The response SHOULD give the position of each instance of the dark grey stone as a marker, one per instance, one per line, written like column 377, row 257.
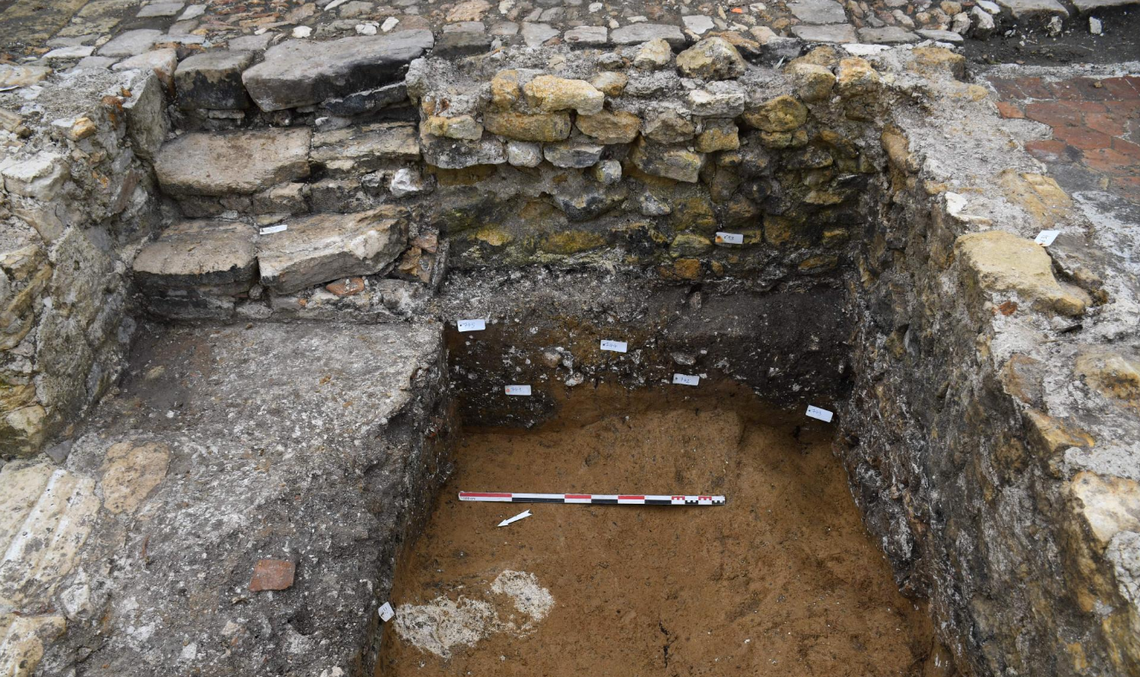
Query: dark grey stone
column 212, row 80
column 301, row 73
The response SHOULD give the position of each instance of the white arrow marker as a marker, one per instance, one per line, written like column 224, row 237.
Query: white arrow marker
column 522, row 515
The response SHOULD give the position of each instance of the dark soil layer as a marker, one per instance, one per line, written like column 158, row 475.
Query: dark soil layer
column 1119, row 42
column 783, row 580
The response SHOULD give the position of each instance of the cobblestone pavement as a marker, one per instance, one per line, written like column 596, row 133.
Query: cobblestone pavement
column 66, row 31
column 1095, row 125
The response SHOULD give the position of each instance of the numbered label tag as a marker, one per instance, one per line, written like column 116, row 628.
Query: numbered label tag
column 686, row 379
column 472, row 325
column 729, row 238
column 517, row 390
column 614, row 346
column 1046, row 237
column 822, row 414
column 386, row 612
column 269, row 230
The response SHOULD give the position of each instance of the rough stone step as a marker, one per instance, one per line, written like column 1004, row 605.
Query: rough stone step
column 325, row 247
column 216, row 164
column 219, row 256
column 302, row 73
column 303, row 443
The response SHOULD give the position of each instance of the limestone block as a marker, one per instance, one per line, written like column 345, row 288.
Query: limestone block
column 23, row 640
column 635, row 34
column 717, row 136
column 458, row 127
column 668, row 126
column 542, row 127
column 39, row 177
column 212, row 80
column 550, row 94
column 1112, row 374
column 719, row 99
column 302, row 72
column 523, row 154
column 610, row 83
column 653, row 55
column 1003, row 262
column 447, row 153
column 46, row 514
column 161, row 62
column 668, row 162
column 711, row 59
column 147, row 123
column 1109, row 505
column 856, row 77
column 216, row 255
column 813, row 82
column 610, row 126
column 781, row 114
column 356, row 150
column 325, row 247
column 505, row 89
column 573, row 154
column 233, row 163
column 130, row 473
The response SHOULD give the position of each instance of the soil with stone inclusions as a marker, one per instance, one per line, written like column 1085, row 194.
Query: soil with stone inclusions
column 1119, row 42
column 783, row 580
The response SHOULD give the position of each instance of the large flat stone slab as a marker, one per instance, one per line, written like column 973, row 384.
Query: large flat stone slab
column 818, row 11
column 1033, row 9
column 237, row 163
column 217, row 255
column 1089, row 5
column 326, row 247
column 358, row 150
column 836, row 33
column 635, row 34
column 302, row 73
column 300, row 443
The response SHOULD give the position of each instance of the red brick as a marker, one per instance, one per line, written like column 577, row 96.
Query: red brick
column 1104, row 123
column 1128, row 187
column 272, row 574
column 1108, row 161
column 1034, row 88
column 1082, row 138
column 1049, row 151
column 1052, row 113
column 1009, row 110
column 1007, row 89
column 1077, row 89
column 1120, row 88
column 1128, row 148
column 1084, row 106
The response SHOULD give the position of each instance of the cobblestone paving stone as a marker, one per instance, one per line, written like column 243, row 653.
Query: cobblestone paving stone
column 33, row 28
column 1095, row 126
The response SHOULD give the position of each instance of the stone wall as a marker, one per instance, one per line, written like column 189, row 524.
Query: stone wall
column 75, row 201
column 990, row 437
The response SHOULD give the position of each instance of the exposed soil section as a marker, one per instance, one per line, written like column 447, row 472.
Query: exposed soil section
column 1032, row 44
column 782, row 580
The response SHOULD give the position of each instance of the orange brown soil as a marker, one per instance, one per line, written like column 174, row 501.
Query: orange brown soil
column 783, row 580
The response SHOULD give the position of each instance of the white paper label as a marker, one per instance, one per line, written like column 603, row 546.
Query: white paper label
column 686, row 379
column 386, row 612
column 269, row 230
column 729, row 238
column 472, row 325
column 614, row 346
column 517, row 390
column 1046, row 237
column 822, row 414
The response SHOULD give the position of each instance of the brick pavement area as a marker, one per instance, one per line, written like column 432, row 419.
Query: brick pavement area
column 1095, row 124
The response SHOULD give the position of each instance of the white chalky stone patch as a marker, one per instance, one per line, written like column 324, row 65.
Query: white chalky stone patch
column 522, row 587
column 442, row 624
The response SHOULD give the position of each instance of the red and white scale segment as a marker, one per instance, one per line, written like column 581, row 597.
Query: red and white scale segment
column 592, row 499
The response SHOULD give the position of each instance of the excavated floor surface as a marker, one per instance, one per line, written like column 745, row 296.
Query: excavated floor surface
column 783, row 580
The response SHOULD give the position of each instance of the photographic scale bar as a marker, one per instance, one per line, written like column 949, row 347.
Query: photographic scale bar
column 590, row 499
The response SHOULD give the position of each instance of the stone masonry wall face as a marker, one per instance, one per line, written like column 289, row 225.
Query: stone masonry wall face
column 74, row 197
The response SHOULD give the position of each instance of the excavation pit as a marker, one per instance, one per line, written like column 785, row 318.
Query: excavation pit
column 783, row 580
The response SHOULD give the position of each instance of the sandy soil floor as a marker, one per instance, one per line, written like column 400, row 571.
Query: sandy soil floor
column 783, row 580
